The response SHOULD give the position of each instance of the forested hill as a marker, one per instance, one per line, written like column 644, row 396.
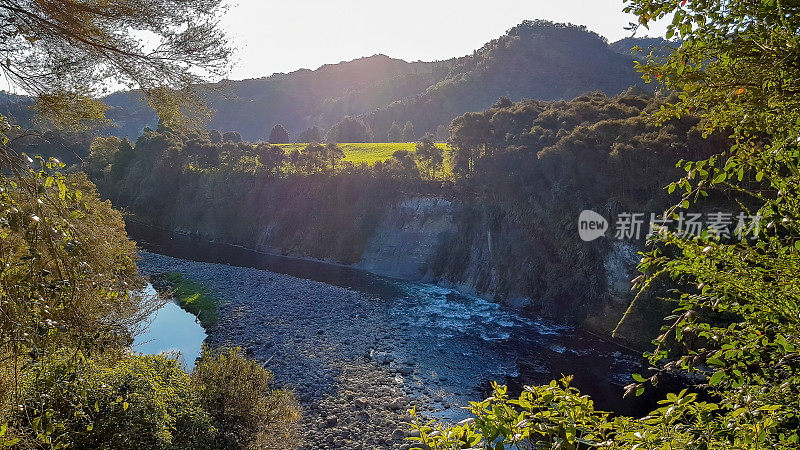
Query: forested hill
column 535, row 60
column 296, row 100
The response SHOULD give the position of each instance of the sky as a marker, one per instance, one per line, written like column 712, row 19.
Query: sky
column 283, row 36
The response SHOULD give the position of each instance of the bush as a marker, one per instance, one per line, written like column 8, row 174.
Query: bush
column 132, row 403
column 238, row 393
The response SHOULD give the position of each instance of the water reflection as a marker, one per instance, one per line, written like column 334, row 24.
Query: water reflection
column 171, row 330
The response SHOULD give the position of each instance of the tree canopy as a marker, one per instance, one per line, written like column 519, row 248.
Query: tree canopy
column 278, row 135
column 68, row 53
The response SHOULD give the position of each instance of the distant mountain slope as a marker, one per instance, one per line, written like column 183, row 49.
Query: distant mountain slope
column 535, row 60
column 296, row 100
column 658, row 46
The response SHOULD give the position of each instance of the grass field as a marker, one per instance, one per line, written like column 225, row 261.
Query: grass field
column 368, row 152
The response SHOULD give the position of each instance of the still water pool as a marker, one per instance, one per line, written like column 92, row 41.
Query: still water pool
column 171, row 330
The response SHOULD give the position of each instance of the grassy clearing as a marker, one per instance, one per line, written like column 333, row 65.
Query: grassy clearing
column 192, row 297
column 368, row 152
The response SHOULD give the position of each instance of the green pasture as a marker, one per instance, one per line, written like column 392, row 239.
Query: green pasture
column 367, row 152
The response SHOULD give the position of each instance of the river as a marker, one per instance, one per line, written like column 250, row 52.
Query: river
column 328, row 330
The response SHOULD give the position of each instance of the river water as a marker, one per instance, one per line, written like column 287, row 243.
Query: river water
column 171, row 330
column 455, row 341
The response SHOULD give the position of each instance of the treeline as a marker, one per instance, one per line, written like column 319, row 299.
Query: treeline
column 531, row 167
column 520, row 171
column 305, row 202
column 226, row 153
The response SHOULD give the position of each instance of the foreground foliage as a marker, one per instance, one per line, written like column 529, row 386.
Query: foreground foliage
column 239, row 394
column 70, row 306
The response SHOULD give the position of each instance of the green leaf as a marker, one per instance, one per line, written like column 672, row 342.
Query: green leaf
column 716, row 378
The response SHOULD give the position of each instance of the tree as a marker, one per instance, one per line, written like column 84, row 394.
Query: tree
column 409, row 135
column 278, row 135
column 737, row 66
column 394, row 134
column 469, row 135
column 122, row 159
column 68, row 53
column 312, row 134
column 442, row 133
column 429, row 155
column 232, row 136
column 333, row 154
column 215, row 136
column 350, row 129
column 101, row 154
column 295, row 160
column 271, row 157
column 312, row 158
column 402, row 164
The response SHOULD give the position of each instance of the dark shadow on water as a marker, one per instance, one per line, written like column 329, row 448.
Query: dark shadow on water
column 196, row 249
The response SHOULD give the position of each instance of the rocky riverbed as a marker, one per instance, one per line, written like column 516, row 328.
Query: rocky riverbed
column 359, row 359
column 329, row 344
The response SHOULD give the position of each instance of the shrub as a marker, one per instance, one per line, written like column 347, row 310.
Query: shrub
column 238, row 393
column 131, row 403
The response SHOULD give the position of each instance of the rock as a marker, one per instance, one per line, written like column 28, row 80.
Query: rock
column 361, row 402
column 381, row 357
column 398, row 435
column 397, row 404
column 330, row 421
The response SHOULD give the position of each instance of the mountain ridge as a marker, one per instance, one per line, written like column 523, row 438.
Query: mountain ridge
column 537, row 60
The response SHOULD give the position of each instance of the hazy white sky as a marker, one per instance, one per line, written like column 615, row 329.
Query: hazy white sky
column 282, row 36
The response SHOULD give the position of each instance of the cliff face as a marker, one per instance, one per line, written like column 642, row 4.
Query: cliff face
column 467, row 247
column 414, row 234
column 408, row 238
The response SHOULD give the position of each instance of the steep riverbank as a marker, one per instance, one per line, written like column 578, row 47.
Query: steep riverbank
column 360, row 354
column 436, row 240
